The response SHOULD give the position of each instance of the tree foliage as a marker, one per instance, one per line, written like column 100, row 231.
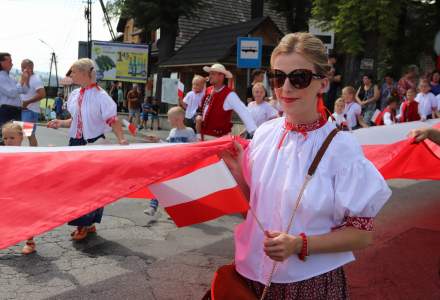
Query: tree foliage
column 295, row 12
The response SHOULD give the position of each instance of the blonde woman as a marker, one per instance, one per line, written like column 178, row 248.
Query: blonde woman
column 93, row 114
column 334, row 215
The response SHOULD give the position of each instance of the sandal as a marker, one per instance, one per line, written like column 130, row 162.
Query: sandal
column 29, row 248
column 81, row 232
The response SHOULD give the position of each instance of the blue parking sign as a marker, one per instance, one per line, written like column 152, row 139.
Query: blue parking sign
column 249, row 52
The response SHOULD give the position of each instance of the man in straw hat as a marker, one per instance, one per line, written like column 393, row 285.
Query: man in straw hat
column 214, row 119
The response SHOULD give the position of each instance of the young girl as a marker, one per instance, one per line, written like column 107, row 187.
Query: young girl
column 352, row 109
column 338, row 117
column 388, row 115
column 260, row 110
column 13, row 136
column 93, row 114
column 334, row 215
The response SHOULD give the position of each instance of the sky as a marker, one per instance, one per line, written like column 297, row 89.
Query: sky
column 59, row 23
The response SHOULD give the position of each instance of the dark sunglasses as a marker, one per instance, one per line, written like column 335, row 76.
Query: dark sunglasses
column 299, row 78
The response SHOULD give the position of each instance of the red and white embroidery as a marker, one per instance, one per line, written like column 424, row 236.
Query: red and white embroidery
column 362, row 223
column 301, row 128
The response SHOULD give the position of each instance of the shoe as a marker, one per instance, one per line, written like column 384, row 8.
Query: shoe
column 151, row 128
column 29, row 248
column 82, row 231
column 158, row 128
column 140, row 127
column 151, row 211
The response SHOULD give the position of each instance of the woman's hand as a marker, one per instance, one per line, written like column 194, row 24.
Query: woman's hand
column 279, row 246
column 234, row 160
column 123, row 141
column 419, row 134
column 55, row 124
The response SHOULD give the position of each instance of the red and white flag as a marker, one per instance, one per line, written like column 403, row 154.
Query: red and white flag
column 27, row 127
column 130, row 126
column 180, row 89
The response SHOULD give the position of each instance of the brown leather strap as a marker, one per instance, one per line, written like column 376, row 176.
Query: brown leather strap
column 321, row 152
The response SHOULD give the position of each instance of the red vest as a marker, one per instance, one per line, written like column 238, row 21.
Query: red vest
column 382, row 114
column 410, row 112
column 216, row 121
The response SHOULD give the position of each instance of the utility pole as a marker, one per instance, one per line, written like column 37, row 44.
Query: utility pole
column 88, row 16
column 107, row 20
column 53, row 62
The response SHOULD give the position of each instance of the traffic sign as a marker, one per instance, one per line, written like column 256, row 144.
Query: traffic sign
column 249, row 52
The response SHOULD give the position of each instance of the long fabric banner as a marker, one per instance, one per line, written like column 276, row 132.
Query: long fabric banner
column 42, row 188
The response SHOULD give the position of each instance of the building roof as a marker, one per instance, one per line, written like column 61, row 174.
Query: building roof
column 216, row 44
column 219, row 13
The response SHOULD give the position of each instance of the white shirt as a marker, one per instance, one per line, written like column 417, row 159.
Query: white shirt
column 193, row 100
column 352, row 110
column 261, row 112
column 35, row 84
column 427, row 102
column 339, row 119
column 387, row 119
column 345, row 184
column 233, row 102
column 10, row 90
column 96, row 109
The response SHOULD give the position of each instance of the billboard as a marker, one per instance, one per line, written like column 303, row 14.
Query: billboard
column 120, row 61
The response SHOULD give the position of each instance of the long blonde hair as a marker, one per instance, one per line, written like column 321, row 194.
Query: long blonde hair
column 307, row 45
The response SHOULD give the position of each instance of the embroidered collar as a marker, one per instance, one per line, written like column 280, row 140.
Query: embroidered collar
column 301, row 128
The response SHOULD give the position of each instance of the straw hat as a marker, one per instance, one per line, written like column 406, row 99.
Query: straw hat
column 218, row 68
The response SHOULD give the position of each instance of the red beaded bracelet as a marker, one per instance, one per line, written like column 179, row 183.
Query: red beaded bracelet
column 304, row 250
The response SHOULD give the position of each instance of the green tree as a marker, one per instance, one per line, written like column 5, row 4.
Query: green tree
column 295, row 12
column 152, row 14
column 385, row 30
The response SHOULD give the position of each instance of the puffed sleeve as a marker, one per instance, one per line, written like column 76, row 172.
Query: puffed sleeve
column 360, row 193
column 108, row 108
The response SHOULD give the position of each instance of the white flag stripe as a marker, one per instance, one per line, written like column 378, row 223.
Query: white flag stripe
column 209, row 179
column 376, row 135
column 11, row 149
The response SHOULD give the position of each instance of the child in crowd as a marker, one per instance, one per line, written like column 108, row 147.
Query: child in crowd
column 193, row 99
column 260, row 110
column 409, row 110
column 338, row 117
column 179, row 133
column 147, row 108
column 438, row 106
column 13, row 136
column 388, row 115
column 427, row 101
column 154, row 114
column 352, row 110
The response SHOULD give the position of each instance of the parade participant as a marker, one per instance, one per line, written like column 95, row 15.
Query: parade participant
column 179, row 133
column 335, row 214
column 10, row 90
column 257, row 77
column 214, row 119
column 388, row 115
column 30, row 101
column 93, row 114
column 408, row 80
column 352, row 109
column 427, row 101
column 338, row 117
column 409, row 110
column 13, row 136
column 260, row 110
column 154, row 114
column 192, row 100
column 420, row 134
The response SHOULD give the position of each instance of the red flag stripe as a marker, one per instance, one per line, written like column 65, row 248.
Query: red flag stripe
column 210, row 207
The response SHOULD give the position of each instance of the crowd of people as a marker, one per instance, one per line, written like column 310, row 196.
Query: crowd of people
column 313, row 233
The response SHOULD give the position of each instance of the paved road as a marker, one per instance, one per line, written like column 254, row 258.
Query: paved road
column 134, row 258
